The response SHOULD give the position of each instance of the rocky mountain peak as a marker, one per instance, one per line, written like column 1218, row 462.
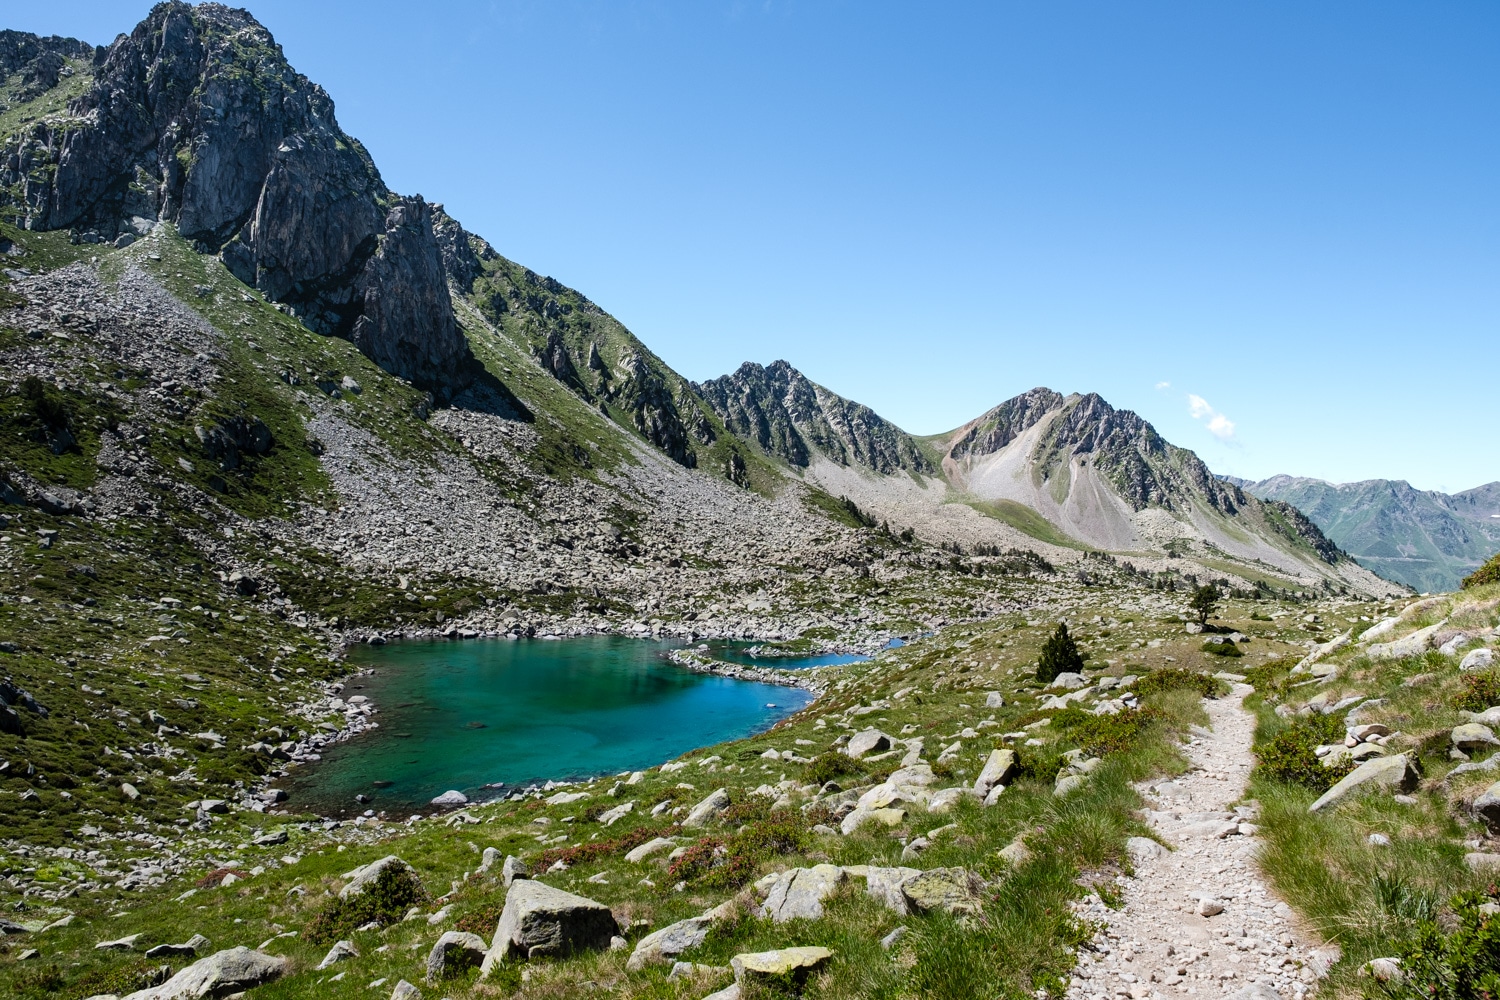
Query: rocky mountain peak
column 795, row 419
column 196, row 119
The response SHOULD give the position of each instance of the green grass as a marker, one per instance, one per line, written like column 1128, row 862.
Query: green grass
column 1026, row 520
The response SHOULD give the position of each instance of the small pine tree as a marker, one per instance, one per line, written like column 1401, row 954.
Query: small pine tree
column 1204, row 602
column 1060, row 655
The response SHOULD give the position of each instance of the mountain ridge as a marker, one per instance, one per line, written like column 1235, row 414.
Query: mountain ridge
column 1425, row 539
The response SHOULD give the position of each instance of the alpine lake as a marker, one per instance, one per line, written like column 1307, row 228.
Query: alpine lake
column 489, row 716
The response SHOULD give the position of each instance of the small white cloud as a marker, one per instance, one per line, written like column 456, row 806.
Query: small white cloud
column 1164, row 385
column 1218, row 425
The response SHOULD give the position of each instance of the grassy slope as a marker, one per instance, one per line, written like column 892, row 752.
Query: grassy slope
column 1021, row 943
column 1368, row 898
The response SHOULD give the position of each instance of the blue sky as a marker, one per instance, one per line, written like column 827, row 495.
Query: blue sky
column 1272, row 229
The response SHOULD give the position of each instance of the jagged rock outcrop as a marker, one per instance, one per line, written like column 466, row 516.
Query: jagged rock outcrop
column 197, row 119
column 41, row 62
column 793, row 418
column 1003, row 424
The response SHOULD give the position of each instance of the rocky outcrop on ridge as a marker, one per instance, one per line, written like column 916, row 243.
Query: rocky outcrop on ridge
column 792, row 418
column 196, row 119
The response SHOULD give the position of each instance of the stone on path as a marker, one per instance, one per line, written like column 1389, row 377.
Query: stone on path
column 233, row 970
column 454, row 951
column 539, row 920
column 1144, row 849
column 1395, row 773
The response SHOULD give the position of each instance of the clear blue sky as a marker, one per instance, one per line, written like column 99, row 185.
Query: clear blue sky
column 1290, row 211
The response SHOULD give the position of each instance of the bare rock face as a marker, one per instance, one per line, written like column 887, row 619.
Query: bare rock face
column 196, row 119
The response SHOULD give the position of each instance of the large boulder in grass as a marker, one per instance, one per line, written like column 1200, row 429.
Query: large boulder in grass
column 952, row 890
column 708, row 810
column 1396, row 774
column 671, row 941
column 1487, row 807
column 799, row 893
column 233, row 970
column 539, row 920
column 789, row 966
column 868, row 741
column 998, row 770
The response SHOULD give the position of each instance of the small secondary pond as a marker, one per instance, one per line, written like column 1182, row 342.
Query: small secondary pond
column 471, row 713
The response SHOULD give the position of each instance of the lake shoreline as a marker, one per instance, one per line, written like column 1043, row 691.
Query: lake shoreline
column 307, row 752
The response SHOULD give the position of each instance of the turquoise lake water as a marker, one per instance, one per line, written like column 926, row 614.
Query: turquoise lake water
column 470, row 713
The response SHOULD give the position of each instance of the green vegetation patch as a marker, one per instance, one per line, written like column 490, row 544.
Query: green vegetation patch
column 1027, row 521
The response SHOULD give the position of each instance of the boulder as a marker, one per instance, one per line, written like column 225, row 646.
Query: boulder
column 610, row 816
column 997, row 770
column 952, row 890
column 405, row 991
column 887, row 816
column 799, row 893
column 1473, row 736
column 993, row 699
column 791, row 966
column 1478, row 659
column 868, row 741
column 191, row 946
column 1480, row 861
column 1068, row 783
column 1068, row 680
column 1144, row 849
column 489, row 858
column 1487, row 807
column 1395, row 773
column 1016, row 853
column 708, row 810
column 885, row 884
column 512, row 869
column 651, row 847
column 452, row 797
column 945, row 799
column 341, row 951
column 669, row 942
column 540, row 920
column 1412, row 645
column 233, row 970
column 365, row 877
column 453, row 952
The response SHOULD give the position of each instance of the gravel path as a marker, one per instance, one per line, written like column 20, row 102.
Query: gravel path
column 1199, row 920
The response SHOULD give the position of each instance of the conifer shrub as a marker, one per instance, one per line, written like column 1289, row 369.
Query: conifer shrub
column 1059, row 655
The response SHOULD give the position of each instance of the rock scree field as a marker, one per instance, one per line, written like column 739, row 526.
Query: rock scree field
column 267, row 424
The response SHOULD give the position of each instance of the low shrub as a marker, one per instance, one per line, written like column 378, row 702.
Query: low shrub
column 1222, row 649
column 1488, row 573
column 1176, row 677
column 1098, row 735
column 728, row 863
column 385, row 901
column 1290, row 756
column 828, row 766
column 1480, row 691
column 1463, row 964
column 596, row 849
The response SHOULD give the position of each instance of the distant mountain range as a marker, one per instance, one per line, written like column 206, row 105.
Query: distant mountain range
column 1425, row 539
